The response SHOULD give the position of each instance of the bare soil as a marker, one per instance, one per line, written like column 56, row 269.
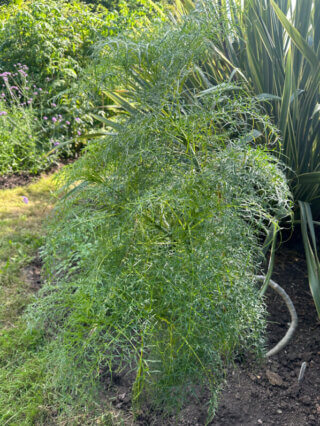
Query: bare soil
column 24, row 178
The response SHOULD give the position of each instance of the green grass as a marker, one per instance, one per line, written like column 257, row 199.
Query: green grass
column 25, row 396
column 21, row 235
column 21, row 366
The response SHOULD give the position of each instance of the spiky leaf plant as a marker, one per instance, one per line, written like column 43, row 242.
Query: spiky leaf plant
column 273, row 47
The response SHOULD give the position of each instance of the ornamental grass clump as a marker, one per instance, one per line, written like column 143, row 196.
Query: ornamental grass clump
column 152, row 252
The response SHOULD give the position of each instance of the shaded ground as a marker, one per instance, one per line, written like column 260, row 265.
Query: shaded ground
column 24, row 178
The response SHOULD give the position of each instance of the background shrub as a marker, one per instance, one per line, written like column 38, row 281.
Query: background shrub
column 53, row 41
column 20, row 147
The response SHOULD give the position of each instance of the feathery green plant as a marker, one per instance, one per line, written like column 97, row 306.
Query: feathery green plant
column 152, row 254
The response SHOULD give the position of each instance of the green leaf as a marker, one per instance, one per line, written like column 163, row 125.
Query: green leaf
column 309, row 178
column 107, row 122
column 268, row 97
column 296, row 37
column 313, row 264
column 316, row 110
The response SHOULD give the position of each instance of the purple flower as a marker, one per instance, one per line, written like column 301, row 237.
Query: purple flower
column 25, row 200
column 77, row 120
column 79, row 133
column 45, row 118
column 56, row 144
column 68, row 123
column 54, row 119
column 3, row 113
column 53, row 105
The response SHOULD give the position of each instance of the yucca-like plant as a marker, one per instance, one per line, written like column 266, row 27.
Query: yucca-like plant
column 273, row 46
column 278, row 49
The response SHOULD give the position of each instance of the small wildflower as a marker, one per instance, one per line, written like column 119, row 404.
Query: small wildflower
column 56, row 144
column 25, row 200
column 54, row 119
column 78, row 120
column 68, row 123
column 3, row 113
column 45, row 118
column 79, row 133
column 53, row 105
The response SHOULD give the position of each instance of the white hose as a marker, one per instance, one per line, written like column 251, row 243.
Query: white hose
column 294, row 318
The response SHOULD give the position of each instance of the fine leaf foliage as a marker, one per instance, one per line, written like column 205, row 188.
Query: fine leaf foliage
column 152, row 252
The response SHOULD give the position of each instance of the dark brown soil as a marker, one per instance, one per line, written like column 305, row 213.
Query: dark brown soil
column 33, row 274
column 24, row 178
column 268, row 394
column 16, row 179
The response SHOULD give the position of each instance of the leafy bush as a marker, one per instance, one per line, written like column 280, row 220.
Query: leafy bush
column 53, row 40
column 20, row 149
column 151, row 257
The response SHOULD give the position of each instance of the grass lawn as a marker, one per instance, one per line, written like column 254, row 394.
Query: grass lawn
column 25, row 395
column 21, row 235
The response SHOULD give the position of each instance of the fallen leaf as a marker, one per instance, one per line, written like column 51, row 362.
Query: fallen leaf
column 274, row 378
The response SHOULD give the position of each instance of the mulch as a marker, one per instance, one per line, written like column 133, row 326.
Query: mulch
column 24, row 178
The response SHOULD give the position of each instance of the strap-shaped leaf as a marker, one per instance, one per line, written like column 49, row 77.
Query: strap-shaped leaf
column 107, row 122
column 309, row 178
column 313, row 264
column 296, row 37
